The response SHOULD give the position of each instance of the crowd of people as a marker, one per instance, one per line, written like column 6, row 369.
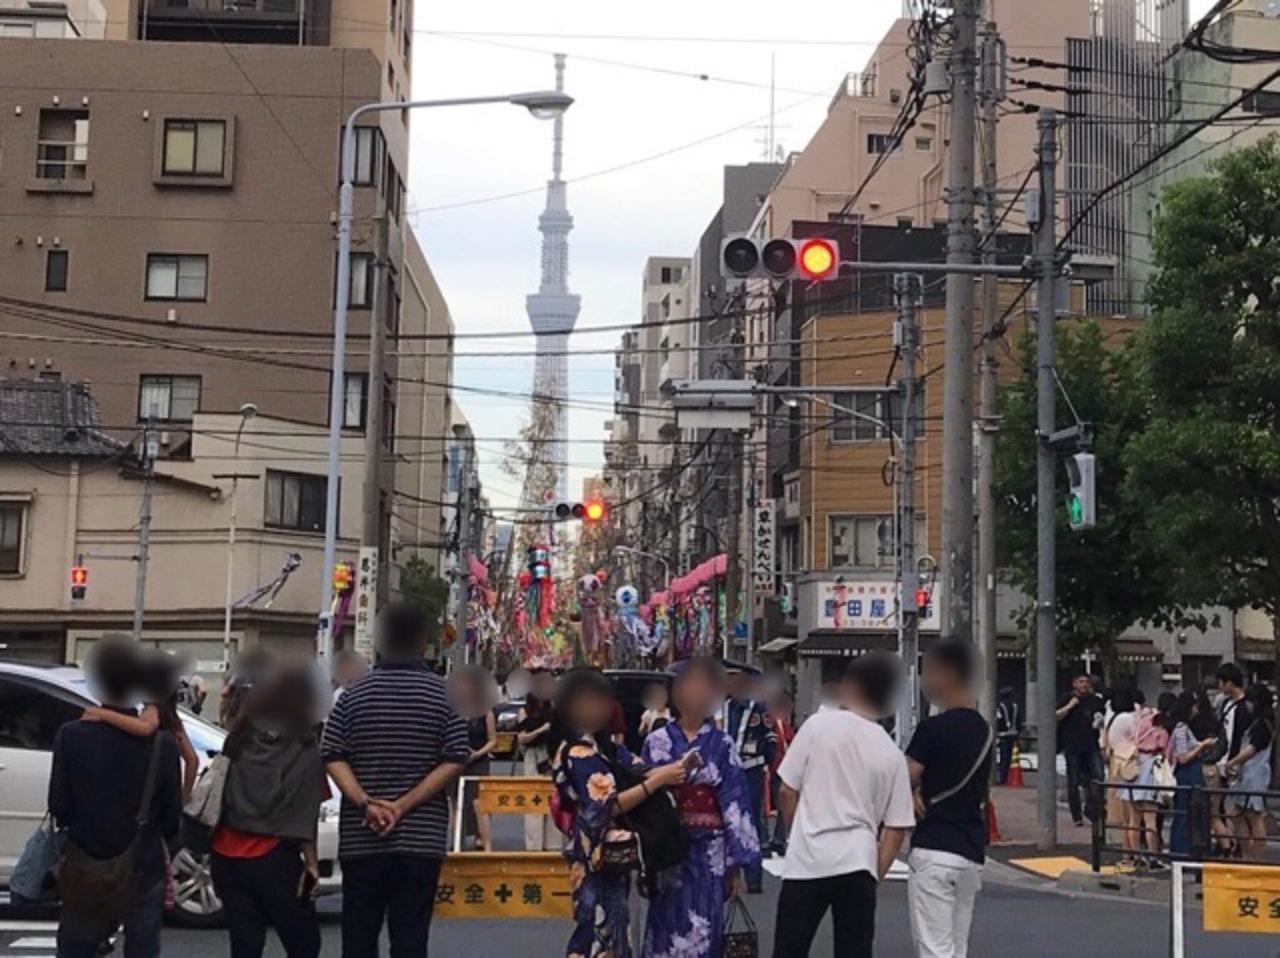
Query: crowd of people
column 1152, row 759
column 721, row 779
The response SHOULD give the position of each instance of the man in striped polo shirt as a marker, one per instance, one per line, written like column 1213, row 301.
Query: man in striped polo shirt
column 394, row 745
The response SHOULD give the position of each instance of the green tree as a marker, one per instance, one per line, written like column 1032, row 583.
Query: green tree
column 1207, row 456
column 420, row 585
column 1106, row 576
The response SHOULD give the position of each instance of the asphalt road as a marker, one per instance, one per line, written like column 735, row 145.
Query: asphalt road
column 1016, row 917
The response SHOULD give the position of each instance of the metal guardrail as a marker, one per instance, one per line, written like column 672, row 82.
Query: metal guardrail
column 62, row 160
column 1212, row 817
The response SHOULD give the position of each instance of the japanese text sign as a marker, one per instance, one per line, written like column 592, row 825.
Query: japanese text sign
column 764, row 547
column 1242, row 898
column 504, row 885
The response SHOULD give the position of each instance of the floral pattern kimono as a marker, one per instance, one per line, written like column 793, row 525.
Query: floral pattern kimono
column 686, row 916
column 586, row 783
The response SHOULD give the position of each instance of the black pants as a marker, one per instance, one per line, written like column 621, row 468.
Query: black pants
column 803, row 903
column 398, row 888
column 1083, row 767
column 261, row 894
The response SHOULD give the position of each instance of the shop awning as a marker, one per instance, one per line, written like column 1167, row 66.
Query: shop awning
column 1138, row 650
column 837, row 642
column 777, row 646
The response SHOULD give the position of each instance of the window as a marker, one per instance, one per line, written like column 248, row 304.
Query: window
column 55, row 270
column 171, row 276
column 12, row 518
column 369, row 153
column 31, row 717
column 388, row 416
column 905, row 222
column 872, row 407
column 62, row 151
column 924, row 143
column 362, row 281
column 168, row 398
column 194, row 147
column 1264, row 103
column 355, row 400
column 392, row 190
column 866, row 542
column 295, row 500
column 879, row 143
column 672, row 274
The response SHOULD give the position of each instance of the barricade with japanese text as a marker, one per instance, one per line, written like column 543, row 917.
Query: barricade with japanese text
column 503, row 884
column 1237, row 898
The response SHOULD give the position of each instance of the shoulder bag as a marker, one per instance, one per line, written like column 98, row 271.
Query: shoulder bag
column 97, row 893
column 1122, row 764
column 33, row 878
column 740, row 938
column 957, row 788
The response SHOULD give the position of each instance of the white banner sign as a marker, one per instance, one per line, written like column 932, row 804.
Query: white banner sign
column 859, row 605
column 366, row 599
column 764, row 553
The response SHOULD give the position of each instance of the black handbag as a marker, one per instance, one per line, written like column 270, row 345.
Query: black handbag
column 740, row 938
column 97, row 893
column 661, row 841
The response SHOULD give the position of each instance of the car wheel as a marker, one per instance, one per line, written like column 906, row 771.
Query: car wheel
column 195, row 901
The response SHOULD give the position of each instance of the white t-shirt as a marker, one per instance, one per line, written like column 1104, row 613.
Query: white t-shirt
column 852, row 779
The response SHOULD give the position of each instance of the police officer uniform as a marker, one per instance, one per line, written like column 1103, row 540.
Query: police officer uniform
column 755, row 742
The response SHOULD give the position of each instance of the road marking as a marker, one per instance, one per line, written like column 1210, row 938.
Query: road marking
column 1052, row 866
column 34, row 943
column 28, row 926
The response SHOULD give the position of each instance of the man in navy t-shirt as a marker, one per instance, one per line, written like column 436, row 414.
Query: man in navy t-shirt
column 949, row 759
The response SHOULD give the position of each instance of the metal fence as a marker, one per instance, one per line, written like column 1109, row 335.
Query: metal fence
column 1181, row 823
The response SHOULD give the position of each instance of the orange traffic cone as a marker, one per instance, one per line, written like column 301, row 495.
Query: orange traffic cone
column 993, row 827
column 1014, row 779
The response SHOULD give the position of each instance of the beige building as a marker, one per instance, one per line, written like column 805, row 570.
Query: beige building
column 168, row 185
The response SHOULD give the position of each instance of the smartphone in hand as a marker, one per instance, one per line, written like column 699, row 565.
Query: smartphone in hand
column 693, row 758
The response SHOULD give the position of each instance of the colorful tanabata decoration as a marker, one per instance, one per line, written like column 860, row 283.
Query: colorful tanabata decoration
column 633, row 632
column 538, row 589
column 589, row 587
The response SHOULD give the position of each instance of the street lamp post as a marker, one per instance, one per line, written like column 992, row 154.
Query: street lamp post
column 543, row 105
column 247, row 412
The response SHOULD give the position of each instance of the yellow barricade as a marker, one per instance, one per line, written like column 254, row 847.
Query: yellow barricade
column 512, row 795
column 1242, row 898
column 504, row 885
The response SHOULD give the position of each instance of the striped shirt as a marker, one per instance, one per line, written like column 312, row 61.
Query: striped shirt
column 393, row 726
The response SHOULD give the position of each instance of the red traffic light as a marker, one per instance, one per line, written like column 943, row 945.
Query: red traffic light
column 79, row 575
column 595, row 511
column 819, row 259
column 922, row 598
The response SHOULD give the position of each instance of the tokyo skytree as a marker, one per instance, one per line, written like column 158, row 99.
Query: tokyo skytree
column 553, row 311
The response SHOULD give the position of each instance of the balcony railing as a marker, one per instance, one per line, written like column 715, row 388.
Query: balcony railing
column 267, row 8
column 62, row 160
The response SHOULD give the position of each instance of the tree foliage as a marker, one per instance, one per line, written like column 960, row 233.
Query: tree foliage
column 420, row 585
column 1206, row 458
column 1107, row 577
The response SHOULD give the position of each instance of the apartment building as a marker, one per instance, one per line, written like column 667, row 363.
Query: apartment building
column 168, row 185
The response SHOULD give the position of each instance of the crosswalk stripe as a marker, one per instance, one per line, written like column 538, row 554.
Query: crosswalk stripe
column 34, row 943
column 11, row 925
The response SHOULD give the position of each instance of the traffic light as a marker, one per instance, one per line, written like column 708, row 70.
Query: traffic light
column 812, row 259
column 591, row 511
column 1082, row 499
column 79, row 582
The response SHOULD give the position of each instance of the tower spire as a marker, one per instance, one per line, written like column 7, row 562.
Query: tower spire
column 553, row 312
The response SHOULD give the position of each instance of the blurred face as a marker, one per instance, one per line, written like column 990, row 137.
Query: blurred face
column 655, row 697
column 591, row 712
column 544, row 686
column 1082, row 686
column 696, row 695
column 938, row 680
column 780, row 706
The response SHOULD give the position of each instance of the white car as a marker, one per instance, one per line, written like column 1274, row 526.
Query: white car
column 34, row 703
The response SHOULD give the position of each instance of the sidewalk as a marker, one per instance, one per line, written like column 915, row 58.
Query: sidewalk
column 1018, row 821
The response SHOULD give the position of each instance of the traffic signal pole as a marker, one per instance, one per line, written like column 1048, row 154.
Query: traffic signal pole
column 988, row 407
column 957, row 416
column 374, row 427
column 1046, row 500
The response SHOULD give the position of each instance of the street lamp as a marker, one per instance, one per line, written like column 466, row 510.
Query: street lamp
column 247, row 412
column 542, row 104
column 666, row 566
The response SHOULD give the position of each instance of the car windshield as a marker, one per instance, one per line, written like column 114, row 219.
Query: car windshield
column 205, row 738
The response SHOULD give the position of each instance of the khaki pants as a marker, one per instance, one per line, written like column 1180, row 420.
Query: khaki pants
column 941, row 892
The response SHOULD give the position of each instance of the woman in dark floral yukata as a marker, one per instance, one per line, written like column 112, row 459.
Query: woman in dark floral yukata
column 583, row 770
column 686, row 915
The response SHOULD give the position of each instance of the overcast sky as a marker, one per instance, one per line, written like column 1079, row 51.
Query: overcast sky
column 644, row 110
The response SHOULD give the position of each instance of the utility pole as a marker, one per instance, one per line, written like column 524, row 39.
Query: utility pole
column 1046, row 500
column 371, row 499
column 988, row 411
column 907, row 289
column 957, row 419
column 733, row 572
column 751, row 556
column 149, row 450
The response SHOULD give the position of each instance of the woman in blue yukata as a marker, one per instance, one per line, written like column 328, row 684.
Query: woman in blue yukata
column 686, row 915
column 583, row 770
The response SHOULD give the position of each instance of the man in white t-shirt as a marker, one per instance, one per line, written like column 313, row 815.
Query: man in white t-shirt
column 846, row 800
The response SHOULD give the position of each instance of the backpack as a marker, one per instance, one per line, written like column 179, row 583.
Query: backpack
column 1122, row 765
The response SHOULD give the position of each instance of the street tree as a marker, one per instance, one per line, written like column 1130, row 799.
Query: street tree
column 1206, row 458
column 1106, row 578
column 420, row 585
